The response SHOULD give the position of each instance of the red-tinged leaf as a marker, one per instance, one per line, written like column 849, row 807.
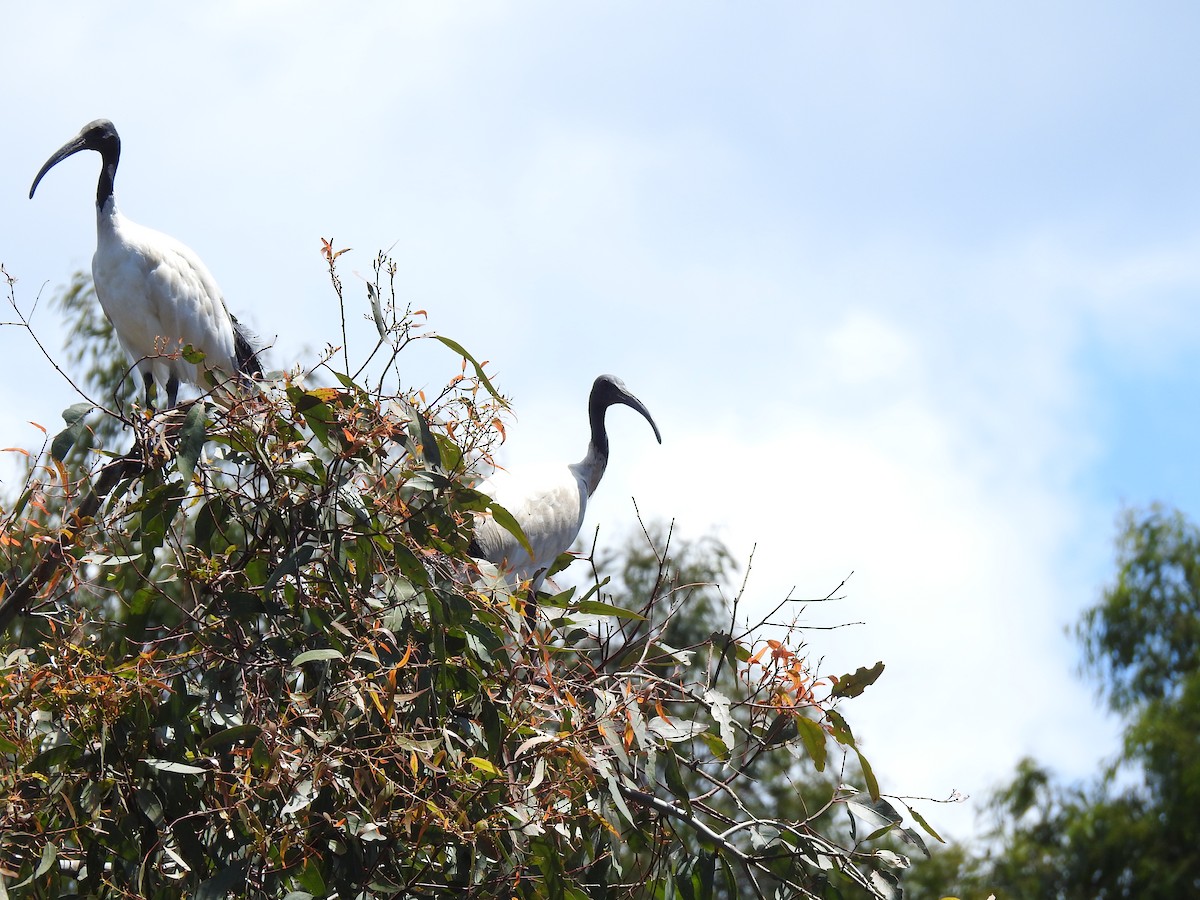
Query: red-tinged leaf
column 404, row 659
column 62, row 470
column 39, row 427
column 17, row 450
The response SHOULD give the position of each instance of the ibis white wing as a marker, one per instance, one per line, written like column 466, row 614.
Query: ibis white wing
column 160, row 297
column 549, row 505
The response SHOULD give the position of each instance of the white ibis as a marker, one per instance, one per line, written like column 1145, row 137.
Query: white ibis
column 549, row 505
column 156, row 292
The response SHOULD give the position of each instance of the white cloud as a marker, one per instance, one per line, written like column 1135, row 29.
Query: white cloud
column 864, row 268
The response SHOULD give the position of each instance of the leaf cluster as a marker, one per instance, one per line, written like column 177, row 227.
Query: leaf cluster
column 261, row 661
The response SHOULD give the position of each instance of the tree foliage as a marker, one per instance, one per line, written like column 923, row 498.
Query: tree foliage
column 1133, row 831
column 251, row 655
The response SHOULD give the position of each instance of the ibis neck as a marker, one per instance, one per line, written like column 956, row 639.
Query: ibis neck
column 593, row 465
column 108, row 175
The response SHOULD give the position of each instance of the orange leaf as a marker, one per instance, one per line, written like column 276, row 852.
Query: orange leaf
column 378, row 703
column 404, row 659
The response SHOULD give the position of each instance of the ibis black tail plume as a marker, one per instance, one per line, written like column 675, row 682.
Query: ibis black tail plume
column 244, row 353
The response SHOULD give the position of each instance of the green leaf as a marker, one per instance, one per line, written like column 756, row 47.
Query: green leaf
column 506, row 521
column 868, row 775
column 161, row 505
column 909, row 836
column 742, row 651
column 75, row 412
column 53, row 758
column 240, row 604
column 377, row 311
column 192, row 355
column 561, row 562
column 839, row 728
column 707, row 870
column 191, row 441
column 484, row 765
column 813, row 736
column 310, row 878
column 859, row 681
column 69, row 436
column 675, row 779
column 430, row 451
column 719, row 707
column 457, row 348
column 596, row 608
column 228, row 881
column 230, row 736
column 316, row 655
column 149, row 804
column 49, row 854
column 208, row 521
column 410, row 566
column 716, row 746
column 920, row 820
column 731, row 880
column 291, row 565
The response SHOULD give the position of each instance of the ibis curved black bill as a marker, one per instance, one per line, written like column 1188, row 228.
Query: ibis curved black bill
column 100, row 136
column 609, row 390
column 634, row 403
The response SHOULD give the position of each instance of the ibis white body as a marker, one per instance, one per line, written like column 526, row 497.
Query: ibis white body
column 160, row 297
column 156, row 292
column 550, row 503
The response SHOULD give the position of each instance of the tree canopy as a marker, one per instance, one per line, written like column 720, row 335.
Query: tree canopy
column 1134, row 830
column 251, row 654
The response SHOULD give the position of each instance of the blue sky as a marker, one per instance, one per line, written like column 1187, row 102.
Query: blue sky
column 911, row 289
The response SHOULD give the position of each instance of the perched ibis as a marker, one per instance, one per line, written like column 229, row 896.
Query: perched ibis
column 156, row 292
column 549, row 505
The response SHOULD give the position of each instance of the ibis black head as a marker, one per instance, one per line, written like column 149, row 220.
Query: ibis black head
column 100, row 136
column 608, row 390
